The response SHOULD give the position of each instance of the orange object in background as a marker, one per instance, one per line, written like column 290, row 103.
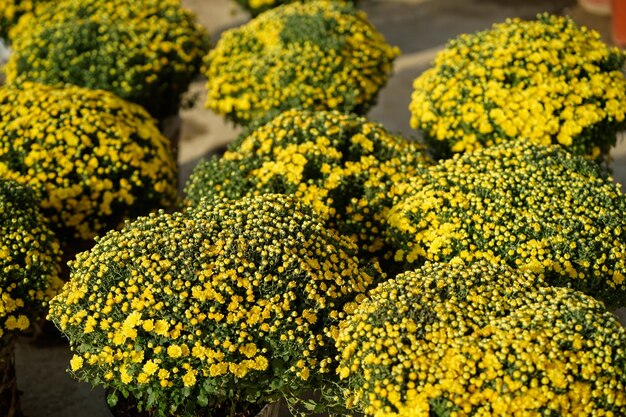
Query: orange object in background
column 618, row 22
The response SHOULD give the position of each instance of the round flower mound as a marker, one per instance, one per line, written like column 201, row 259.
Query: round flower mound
column 146, row 52
column 318, row 55
column 256, row 7
column 29, row 259
column 228, row 302
column 481, row 340
column 343, row 165
column 93, row 158
column 12, row 10
column 535, row 208
column 544, row 81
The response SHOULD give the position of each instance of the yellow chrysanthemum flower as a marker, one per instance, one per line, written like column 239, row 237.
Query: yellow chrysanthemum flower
column 542, row 81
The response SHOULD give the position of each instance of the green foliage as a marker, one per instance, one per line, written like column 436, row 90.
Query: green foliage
column 344, row 166
column 92, row 158
column 534, row 208
column 546, row 81
column 477, row 338
column 255, row 7
column 145, row 51
column 316, row 55
column 29, row 258
column 12, row 10
column 225, row 304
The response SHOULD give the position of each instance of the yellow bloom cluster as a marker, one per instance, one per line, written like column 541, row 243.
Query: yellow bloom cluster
column 544, row 81
column 93, row 158
column 318, row 55
column 258, row 6
column 12, row 10
column 225, row 302
column 344, row 166
column 146, row 52
column 540, row 209
column 29, row 258
column 478, row 339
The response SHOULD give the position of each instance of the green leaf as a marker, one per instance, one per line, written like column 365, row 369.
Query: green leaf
column 203, row 400
column 152, row 399
column 112, row 399
column 309, row 405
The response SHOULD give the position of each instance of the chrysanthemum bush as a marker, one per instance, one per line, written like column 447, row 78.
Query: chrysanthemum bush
column 535, row 208
column 258, row 6
column 29, row 258
column 29, row 277
column 542, row 81
column 12, row 10
column 457, row 339
column 344, row 166
column 146, row 52
column 93, row 158
column 318, row 55
column 225, row 304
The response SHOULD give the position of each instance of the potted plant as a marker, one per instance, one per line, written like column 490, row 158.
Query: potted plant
column 344, row 166
column 469, row 339
column 29, row 261
column 146, row 52
column 542, row 81
column 255, row 7
column 535, row 208
column 92, row 158
column 317, row 55
column 215, row 310
column 11, row 11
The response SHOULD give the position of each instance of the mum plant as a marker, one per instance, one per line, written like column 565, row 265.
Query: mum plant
column 29, row 277
column 12, row 10
column 222, row 306
column 344, row 166
column 146, row 52
column 93, row 158
column 477, row 339
column 546, row 81
column 256, row 7
column 536, row 208
column 317, row 55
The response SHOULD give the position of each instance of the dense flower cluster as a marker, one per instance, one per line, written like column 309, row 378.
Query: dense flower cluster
column 344, row 166
column 544, row 81
column 258, row 6
column 146, row 52
column 227, row 302
column 478, row 339
column 540, row 209
column 92, row 157
column 318, row 55
column 29, row 258
column 12, row 10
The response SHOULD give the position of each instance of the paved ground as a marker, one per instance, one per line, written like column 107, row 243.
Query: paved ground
column 419, row 27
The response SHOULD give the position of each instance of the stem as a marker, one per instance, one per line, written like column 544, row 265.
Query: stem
column 9, row 396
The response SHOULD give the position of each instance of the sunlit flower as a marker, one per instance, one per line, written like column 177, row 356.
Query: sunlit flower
column 344, row 166
column 240, row 297
column 476, row 339
column 543, row 81
column 29, row 259
column 12, row 10
column 91, row 171
column 258, row 6
column 534, row 208
column 146, row 52
column 317, row 55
